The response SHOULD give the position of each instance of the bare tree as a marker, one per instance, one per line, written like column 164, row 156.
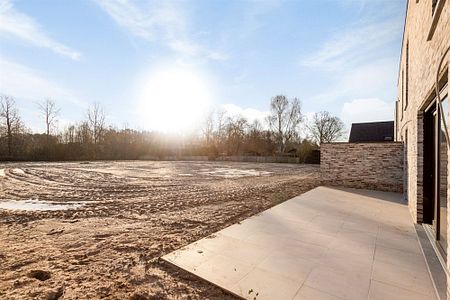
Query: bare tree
column 83, row 135
column 68, row 135
column 284, row 119
column 11, row 121
column 96, row 122
column 49, row 113
column 256, row 127
column 235, row 131
column 326, row 128
column 220, row 123
column 208, row 128
column 255, row 138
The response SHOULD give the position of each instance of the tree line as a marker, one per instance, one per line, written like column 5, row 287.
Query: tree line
column 285, row 132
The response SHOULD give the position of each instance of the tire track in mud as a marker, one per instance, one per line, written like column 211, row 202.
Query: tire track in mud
column 136, row 212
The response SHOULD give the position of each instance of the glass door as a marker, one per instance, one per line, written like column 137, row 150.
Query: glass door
column 441, row 184
column 435, row 174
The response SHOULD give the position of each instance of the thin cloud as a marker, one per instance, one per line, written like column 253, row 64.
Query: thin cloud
column 354, row 46
column 366, row 110
column 359, row 62
column 364, row 81
column 158, row 21
column 251, row 114
column 19, row 25
column 25, row 83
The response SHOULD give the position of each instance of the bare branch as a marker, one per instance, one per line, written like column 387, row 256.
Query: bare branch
column 49, row 113
column 326, row 128
column 11, row 121
column 96, row 122
column 284, row 120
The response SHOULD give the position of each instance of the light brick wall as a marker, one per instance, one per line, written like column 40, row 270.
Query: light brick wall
column 424, row 57
column 377, row 166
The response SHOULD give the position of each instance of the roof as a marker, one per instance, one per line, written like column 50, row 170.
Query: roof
column 372, row 132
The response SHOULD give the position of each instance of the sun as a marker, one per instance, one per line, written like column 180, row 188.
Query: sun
column 173, row 100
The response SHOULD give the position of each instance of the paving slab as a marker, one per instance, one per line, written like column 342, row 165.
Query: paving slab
column 329, row 243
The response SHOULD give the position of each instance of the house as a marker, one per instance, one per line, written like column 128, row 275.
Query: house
column 420, row 121
column 372, row 247
column 372, row 132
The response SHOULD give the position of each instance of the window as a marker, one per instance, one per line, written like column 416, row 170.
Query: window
column 433, row 6
column 405, row 165
column 403, row 92
column 396, row 119
column 436, row 9
column 407, row 76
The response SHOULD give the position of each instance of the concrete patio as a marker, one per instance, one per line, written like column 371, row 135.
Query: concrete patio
column 325, row 244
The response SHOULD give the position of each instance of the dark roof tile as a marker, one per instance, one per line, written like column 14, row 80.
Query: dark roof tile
column 372, row 132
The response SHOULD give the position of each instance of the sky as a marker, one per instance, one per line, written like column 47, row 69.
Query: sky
column 161, row 65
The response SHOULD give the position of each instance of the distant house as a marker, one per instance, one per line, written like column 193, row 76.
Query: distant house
column 372, row 132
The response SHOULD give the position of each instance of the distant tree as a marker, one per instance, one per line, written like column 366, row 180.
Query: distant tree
column 220, row 120
column 221, row 134
column 284, row 119
column 49, row 113
column 96, row 122
column 208, row 128
column 326, row 128
column 305, row 149
column 255, row 142
column 235, row 131
column 69, row 135
column 83, row 134
column 256, row 128
column 11, row 122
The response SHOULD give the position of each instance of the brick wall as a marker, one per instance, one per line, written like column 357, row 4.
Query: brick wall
column 377, row 166
column 423, row 57
column 417, row 89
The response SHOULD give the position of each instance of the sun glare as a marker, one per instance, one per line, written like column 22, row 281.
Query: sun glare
column 173, row 100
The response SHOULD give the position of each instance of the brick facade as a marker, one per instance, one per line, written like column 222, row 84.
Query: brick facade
column 376, row 166
column 426, row 37
column 415, row 91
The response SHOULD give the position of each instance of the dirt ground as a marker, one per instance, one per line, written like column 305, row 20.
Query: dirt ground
column 111, row 222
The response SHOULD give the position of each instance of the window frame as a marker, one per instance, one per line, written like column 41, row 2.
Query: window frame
column 406, row 77
column 436, row 10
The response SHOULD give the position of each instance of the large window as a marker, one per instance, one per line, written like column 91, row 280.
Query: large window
column 435, row 175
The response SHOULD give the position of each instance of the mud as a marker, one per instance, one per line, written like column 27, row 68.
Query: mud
column 132, row 213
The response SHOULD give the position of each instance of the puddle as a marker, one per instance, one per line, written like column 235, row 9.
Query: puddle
column 36, row 205
column 2, row 173
column 235, row 173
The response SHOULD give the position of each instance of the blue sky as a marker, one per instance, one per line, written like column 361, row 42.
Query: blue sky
column 335, row 55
